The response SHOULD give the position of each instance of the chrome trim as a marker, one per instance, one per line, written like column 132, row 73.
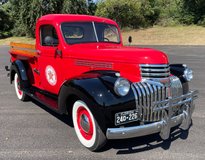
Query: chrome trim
column 138, row 131
column 96, row 36
column 147, row 93
column 154, row 74
column 154, row 65
column 154, row 71
column 150, row 91
column 163, row 126
column 176, row 86
column 84, row 122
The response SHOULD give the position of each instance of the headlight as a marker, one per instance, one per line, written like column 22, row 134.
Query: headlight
column 122, row 87
column 188, row 74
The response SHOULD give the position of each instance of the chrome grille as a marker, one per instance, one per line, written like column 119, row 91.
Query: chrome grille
column 155, row 71
column 146, row 94
column 176, row 87
column 149, row 92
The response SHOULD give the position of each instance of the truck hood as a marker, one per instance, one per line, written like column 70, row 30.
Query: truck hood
column 116, row 53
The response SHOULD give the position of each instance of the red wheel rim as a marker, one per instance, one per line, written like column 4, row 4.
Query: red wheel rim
column 82, row 112
column 18, row 86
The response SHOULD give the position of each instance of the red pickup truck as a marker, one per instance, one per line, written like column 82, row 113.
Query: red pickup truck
column 80, row 67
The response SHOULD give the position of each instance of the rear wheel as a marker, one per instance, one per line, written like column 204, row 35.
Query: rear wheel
column 86, row 127
column 19, row 93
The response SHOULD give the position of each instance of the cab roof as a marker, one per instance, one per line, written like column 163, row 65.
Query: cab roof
column 60, row 18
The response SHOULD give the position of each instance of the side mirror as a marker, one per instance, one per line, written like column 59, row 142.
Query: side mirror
column 130, row 39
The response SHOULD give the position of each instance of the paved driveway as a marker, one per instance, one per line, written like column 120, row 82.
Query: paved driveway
column 30, row 131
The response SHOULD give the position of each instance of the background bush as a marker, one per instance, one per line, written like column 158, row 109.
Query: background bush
column 18, row 17
column 126, row 13
column 131, row 13
column 5, row 23
column 25, row 13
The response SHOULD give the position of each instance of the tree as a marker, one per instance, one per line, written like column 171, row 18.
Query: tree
column 194, row 9
column 5, row 23
column 169, row 12
column 75, row 7
column 26, row 12
column 130, row 13
column 92, row 7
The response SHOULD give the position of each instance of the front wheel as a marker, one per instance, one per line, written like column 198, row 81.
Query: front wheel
column 19, row 93
column 86, row 127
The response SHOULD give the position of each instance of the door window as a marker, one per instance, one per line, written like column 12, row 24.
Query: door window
column 49, row 36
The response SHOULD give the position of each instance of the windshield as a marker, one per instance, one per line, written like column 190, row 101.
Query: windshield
column 87, row 32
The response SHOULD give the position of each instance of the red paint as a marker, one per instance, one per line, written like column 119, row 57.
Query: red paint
column 80, row 58
column 18, row 85
column 80, row 112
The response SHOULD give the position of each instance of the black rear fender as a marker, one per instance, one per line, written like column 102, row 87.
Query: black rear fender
column 19, row 68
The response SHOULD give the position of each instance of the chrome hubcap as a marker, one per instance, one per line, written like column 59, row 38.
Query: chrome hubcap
column 84, row 122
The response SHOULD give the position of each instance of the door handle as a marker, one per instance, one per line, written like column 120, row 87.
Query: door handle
column 36, row 71
column 58, row 53
column 38, row 52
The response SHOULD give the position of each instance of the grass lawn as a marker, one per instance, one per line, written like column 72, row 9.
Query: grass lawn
column 177, row 35
column 7, row 41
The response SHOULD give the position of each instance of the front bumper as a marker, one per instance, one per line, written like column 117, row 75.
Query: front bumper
column 163, row 127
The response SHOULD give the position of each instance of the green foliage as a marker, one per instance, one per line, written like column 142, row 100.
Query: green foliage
column 142, row 13
column 92, row 8
column 150, row 10
column 126, row 13
column 21, row 15
column 75, row 7
column 170, row 12
column 26, row 12
column 5, row 23
column 193, row 11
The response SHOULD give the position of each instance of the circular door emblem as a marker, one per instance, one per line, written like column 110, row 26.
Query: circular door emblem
column 51, row 75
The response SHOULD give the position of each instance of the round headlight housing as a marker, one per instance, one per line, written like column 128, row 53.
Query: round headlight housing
column 122, row 87
column 188, row 74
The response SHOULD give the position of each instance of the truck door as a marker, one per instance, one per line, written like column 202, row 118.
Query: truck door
column 49, row 60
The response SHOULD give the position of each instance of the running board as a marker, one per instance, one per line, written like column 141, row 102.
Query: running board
column 47, row 100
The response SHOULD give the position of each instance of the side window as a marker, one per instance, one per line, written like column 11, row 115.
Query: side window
column 111, row 34
column 74, row 32
column 48, row 36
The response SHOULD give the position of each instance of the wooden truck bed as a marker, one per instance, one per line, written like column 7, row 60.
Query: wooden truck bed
column 23, row 50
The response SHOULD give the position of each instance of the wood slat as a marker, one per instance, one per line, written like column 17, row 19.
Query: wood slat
column 23, row 52
column 22, row 45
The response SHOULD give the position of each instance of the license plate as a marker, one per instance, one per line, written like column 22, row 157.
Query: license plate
column 126, row 117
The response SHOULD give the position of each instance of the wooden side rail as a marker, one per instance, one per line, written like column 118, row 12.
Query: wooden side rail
column 22, row 45
column 21, row 49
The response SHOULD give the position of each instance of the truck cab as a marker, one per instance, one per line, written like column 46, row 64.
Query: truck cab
column 80, row 67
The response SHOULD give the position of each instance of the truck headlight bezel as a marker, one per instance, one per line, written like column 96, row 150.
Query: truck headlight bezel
column 122, row 87
column 188, row 74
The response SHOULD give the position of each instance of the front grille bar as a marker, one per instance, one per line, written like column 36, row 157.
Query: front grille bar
column 155, row 71
column 146, row 94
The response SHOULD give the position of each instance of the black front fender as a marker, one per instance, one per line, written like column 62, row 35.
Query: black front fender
column 178, row 70
column 97, row 89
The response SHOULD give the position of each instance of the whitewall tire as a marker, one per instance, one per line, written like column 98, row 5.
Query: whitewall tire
column 19, row 93
column 86, row 127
